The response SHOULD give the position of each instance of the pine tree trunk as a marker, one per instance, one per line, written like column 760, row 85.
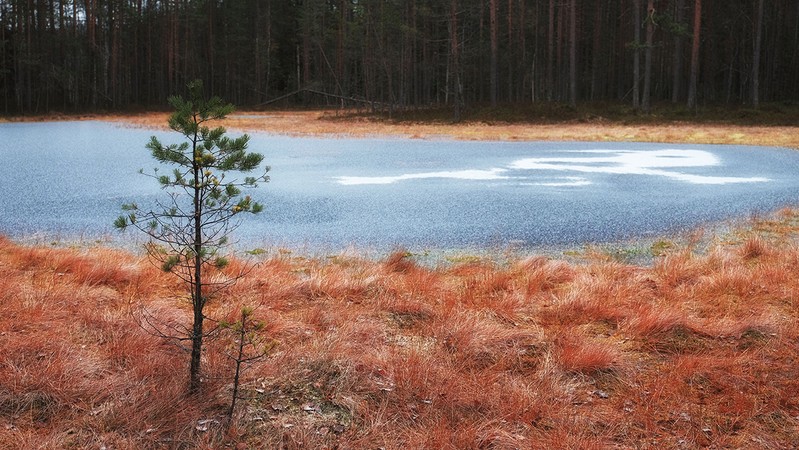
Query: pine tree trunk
column 650, row 30
column 551, row 52
column 210, row 64
column 573, row 53
column 492, row 14
column 306, row 46
column 756, row 56
column 637, row 54
column 510, row 51
column 692, row 87
column 676, row 83
column 596, row 63
column 198, row 302
column 561, row 81
column 340, row 56
column 521, row 45
column 196, row 342
column 456, row 64
column 3, row 69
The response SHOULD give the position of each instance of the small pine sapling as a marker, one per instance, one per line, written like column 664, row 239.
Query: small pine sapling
column 190, row 229
column 247, row 347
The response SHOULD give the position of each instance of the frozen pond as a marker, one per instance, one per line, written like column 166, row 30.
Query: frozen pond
column 67, row 180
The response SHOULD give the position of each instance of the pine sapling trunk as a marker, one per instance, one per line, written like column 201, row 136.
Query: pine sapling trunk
column 196, row 350
column 239, row 360
column 244, row 333
column 197, row 301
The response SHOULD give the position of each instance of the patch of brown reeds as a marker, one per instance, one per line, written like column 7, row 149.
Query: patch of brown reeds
column 696, row 350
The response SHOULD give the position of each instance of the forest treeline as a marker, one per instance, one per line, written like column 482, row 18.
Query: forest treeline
column 76, row 55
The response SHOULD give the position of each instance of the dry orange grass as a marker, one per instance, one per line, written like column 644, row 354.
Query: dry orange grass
column 333, row 124
column 698, row 350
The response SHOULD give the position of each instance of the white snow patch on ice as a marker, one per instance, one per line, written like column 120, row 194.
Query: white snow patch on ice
column 600, row 161
column 475, row 174
column 636, row 162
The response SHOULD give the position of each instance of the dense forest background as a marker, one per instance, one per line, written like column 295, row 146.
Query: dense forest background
column 77, row 55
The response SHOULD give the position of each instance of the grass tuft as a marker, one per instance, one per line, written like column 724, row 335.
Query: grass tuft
column 587, row 357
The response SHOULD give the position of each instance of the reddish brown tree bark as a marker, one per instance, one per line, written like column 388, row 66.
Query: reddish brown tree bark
column 492, row 19
column 692, row 87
